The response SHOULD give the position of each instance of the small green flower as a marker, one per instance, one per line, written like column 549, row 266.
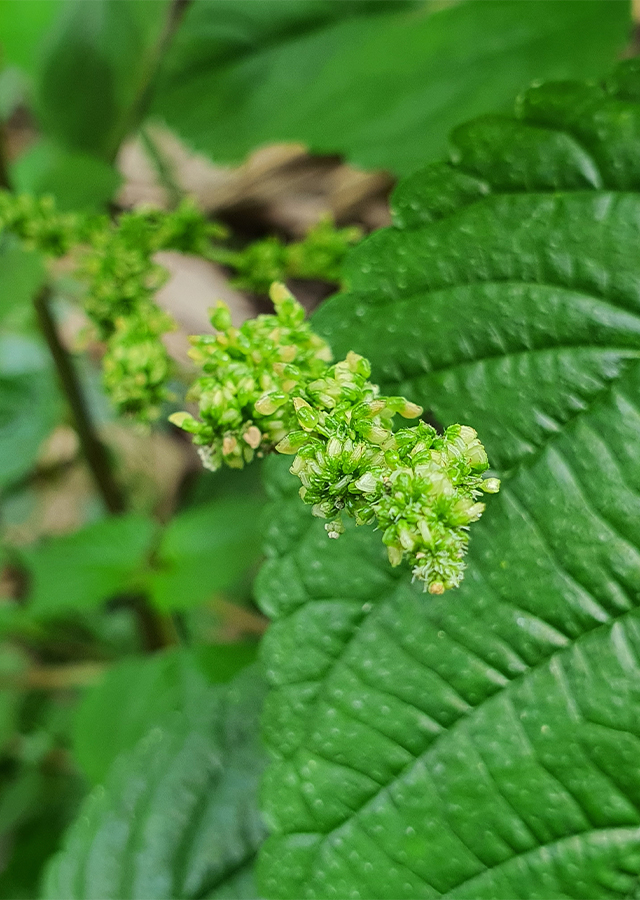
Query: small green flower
column 252, row 377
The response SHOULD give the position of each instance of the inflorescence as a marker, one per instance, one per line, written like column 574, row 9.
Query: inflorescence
column 269, row 385
column 115, row 260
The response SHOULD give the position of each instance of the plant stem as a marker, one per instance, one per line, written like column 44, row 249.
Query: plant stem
column 93, row 449
column 146, row 87
column 4, row 172
column 157, row 630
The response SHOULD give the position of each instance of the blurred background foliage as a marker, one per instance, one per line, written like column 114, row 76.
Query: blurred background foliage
column 276, row 116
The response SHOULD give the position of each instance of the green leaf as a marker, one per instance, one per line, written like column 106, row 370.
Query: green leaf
column 23, row 27
column 177, row 816
column 80, row 570
column 205, row 549
column 22, row 273
column 381, row 83
column 144, row 690
column 486, row 743
column 96, row 69
column 29, row 405
column 78, row 182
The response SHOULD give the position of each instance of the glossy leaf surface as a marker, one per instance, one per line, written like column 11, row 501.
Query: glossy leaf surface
column 381, row 83
column 177, row 816
column 486, row 743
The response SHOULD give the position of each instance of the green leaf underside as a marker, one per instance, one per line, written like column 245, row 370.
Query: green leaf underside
column 177, row 816
column 486, row 743
column 381, row 83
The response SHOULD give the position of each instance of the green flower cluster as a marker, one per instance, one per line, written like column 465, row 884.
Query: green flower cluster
column 40, row 226
column 269, row 385
column 115, row 260
column 252, row 374
column 420, row 487
column 319, row 256
column 117, row 265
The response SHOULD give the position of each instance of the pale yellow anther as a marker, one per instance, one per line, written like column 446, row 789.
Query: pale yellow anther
column 252, row 436
column 288, row 353
column 229, row 444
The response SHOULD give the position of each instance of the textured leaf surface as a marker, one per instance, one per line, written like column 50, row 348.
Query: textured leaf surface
column 486, row 743
column 382, row 83
column 177, row 816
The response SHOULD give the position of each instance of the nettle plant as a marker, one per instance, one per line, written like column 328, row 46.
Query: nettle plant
column 482, row 741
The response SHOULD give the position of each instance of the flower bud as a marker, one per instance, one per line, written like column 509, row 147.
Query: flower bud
column 395, row 555
column 490, row 485
column 334, row 529
column 292, row 442
column 252, row 436
column 229, row 444
column 269, row 403
column 468, row 434
column 185, row 421
column 406, row 538
column 367, row 483
column 358, row 364
column 477, row 456
column 307, row 416
column 220, row 316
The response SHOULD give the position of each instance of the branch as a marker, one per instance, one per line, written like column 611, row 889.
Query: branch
column 94, row 451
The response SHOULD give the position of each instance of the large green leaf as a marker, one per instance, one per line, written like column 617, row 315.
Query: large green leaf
column 79, row 571
column 177, row 816
column 486, row 743
column 205, row 549
column 78, row 181
column 382, row 83
column 23, row 27
column 96, row 70
column 144, row 690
